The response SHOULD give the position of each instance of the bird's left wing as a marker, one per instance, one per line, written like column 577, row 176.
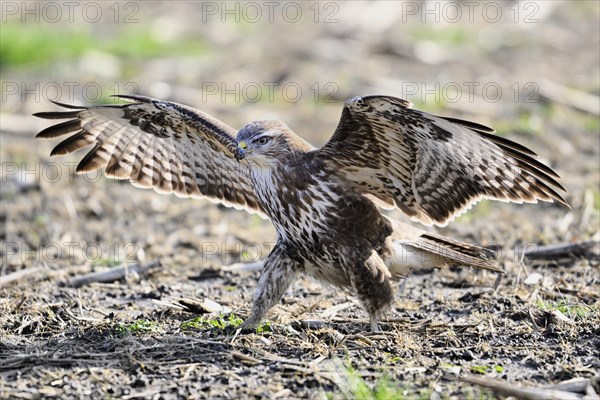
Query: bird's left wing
column 432, row 168
column 157, row 144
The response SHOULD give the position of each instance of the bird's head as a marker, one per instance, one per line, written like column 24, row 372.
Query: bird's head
column 268, row 141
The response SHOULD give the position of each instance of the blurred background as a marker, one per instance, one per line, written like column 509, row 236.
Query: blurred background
column 529, row 69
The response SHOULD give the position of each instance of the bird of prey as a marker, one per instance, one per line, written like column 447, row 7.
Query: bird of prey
column 324, row 202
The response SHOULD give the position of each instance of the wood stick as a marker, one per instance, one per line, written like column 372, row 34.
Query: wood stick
column 111, row 275
column 570, row 97
column 551, row 252
column 511, row 389
column 17, row 275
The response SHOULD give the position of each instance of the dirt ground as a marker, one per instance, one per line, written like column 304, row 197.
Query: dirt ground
column 152, row 335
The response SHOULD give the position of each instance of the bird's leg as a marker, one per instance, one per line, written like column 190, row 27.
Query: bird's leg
column 371, row 282
column 374, row 325
column 278, row 274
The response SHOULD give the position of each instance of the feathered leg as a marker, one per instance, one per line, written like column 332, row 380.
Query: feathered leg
column 371, row 281
column 278, row 274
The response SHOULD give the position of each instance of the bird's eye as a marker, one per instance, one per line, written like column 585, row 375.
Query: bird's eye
column 263, row 140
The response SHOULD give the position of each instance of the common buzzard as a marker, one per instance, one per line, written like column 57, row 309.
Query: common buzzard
column 323, row 202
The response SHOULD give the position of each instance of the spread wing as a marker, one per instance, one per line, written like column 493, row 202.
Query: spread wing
column 432, row 168
column 157, row 144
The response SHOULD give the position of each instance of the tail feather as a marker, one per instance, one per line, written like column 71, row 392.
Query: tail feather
column 457, row 252
column 414, row 249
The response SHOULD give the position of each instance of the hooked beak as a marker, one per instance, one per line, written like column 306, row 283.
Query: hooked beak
column 241, row 153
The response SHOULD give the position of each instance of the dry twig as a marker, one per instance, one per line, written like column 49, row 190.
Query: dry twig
column 111, row 275
column 562, row 392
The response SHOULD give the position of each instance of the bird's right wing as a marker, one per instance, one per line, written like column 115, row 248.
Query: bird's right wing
column 157, row 144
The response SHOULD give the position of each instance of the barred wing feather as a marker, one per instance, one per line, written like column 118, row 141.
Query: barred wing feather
column 432, row 168
column 157, row 144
